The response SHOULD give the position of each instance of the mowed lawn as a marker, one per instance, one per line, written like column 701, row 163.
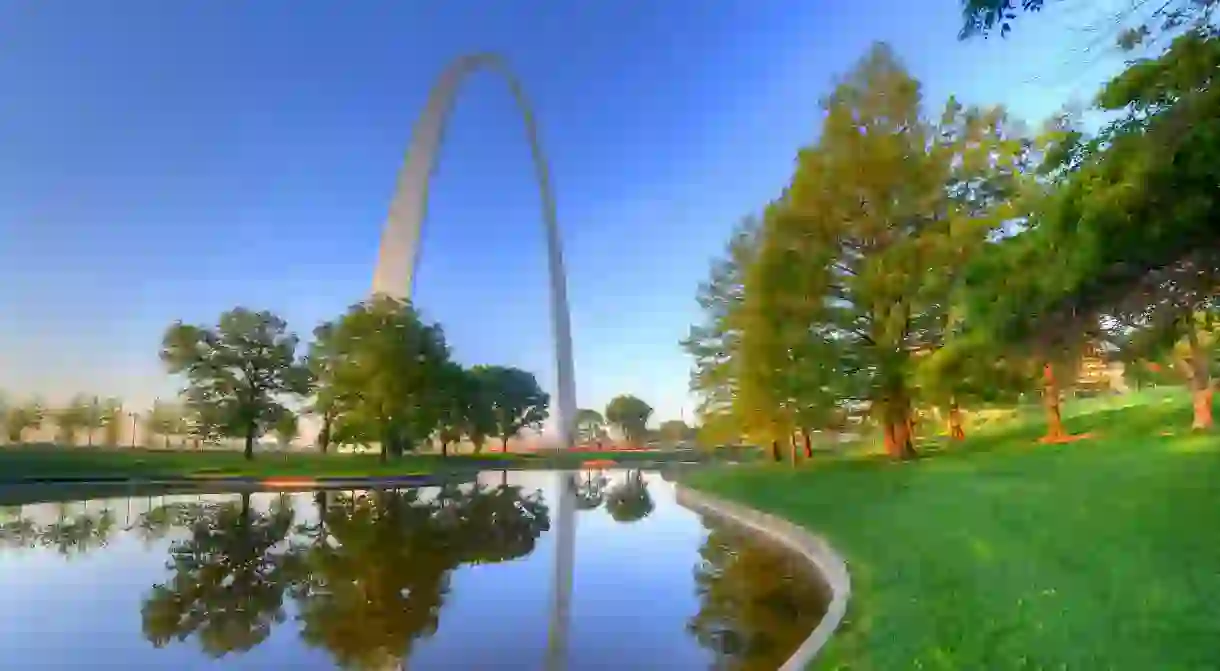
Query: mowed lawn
column 1007, row 554
column 50, row 462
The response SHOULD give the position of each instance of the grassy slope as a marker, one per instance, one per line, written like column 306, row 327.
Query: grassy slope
column 1007, row 554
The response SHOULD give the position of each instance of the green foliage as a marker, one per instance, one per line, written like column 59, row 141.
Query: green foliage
column 675, row 431
column 237, row 372
column 980, row 17
column 384, row 369
column 71, row 419
column 165, row 420
column 23, row 417
column 590, row 426
column 630, row 415
column 714, row 344
column 517, row 400
column 287, row 428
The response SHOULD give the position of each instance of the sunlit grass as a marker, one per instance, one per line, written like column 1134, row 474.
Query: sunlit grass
column 1003, row 553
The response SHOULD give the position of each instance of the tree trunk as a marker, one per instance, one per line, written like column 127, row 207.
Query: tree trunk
column 1050, row 400
column 956, row 432
column 775, row 451
column 249, row 451
column 324, row 434
column 504, row 477
column 444, row 449
column 792, row 451
column 899, row 431
column 167, row 441
column 504, row 444
column 808, row 443
column 1200, row 382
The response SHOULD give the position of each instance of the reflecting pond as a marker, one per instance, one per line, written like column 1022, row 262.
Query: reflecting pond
column 448, row 577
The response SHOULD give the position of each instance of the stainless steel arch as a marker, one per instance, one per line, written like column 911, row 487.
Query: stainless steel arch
column 399, row 252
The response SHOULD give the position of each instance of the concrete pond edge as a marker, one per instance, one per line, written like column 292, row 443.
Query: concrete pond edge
column 827, row 562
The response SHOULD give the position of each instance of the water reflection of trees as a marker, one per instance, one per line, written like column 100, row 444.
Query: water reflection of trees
column 629, row 500
column 756, row 603
column 228, row 582
column 369, row 577
column 591, row 490
column 71, row 534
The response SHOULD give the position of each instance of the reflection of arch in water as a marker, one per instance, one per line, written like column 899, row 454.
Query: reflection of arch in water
column 399, row 252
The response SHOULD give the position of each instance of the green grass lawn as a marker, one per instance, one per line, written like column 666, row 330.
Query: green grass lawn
column 1007, row 554
column 51, row 462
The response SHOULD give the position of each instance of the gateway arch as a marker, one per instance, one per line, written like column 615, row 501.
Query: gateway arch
column 399, row 254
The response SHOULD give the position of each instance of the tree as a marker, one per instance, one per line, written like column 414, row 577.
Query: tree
column 455, row 388
column 857, row 262
column 163, row 420
column 237, row 371
column 980, row 17
column 110, row 420
column 630, row 415
column 517, row 400
column 714, row 344
column 23, row 417
column 287, row 428
column 385, row 365
column 590, row 425
column 320, row 364
column 71, row 419
column 675, row 431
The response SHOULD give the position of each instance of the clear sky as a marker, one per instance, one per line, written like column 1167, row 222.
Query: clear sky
column 169, row 160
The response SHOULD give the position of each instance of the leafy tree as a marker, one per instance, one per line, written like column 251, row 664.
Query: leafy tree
column 229, row 580
column 591, row 492
column 714, row 344
column 287, row 428
column 630, row 415
column 517, row 400
column 237, row 371
column 385, row 369
column 79, row 534
column 858, row 261
column 23, row 417
column 164, row 420
column 980, row 17
column 675, row 431
column 71, row 419
column 320, row 364
column 109, row 419
column 455, row 389
column 590, row 425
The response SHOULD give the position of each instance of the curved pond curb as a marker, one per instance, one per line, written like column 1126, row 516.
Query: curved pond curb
column 826, row 561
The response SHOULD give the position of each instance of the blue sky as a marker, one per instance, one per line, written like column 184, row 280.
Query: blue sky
column 163, row 161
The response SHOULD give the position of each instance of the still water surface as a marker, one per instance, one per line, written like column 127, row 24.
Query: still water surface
column 454, row 577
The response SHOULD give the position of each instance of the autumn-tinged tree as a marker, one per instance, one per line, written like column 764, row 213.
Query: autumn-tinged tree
column 714, row 343
column 236, row 371
column 164, row 420
column 22, row 417
column 858, row 260
column 384, row 364
column 630, row 415
column 286, row 428
column 517, row 400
